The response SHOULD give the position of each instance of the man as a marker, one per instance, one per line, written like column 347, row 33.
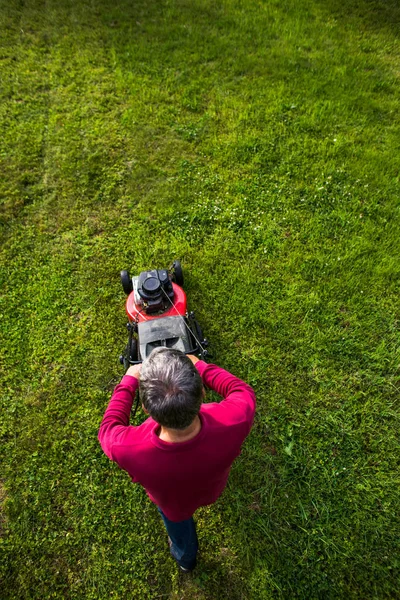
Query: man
column 183, row 452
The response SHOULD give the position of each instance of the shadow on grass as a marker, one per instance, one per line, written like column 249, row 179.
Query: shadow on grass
column 373, row 14
column 210, row 581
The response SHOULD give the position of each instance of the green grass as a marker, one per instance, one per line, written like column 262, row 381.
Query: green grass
column 259, row 143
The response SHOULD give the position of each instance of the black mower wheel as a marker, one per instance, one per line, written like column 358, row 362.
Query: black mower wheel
column 177, row 273
column 133, row 350
column 131, row 354
column 126, row 282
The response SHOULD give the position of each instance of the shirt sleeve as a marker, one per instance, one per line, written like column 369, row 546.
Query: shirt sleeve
column 115, row 422
column 235, row 392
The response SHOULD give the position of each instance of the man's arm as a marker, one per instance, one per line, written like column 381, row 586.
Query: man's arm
column 233, row 390
column 116, row 417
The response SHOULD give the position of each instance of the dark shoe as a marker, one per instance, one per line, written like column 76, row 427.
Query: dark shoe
column 183, row 569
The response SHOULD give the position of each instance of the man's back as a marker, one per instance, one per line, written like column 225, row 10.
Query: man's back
column 180, row 477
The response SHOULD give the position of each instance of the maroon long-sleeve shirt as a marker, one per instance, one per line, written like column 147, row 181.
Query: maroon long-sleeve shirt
column 180, row 477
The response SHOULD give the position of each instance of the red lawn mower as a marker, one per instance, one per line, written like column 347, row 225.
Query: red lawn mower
column 158, row 316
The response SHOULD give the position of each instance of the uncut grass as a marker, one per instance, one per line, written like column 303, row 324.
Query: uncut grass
column 258, row 143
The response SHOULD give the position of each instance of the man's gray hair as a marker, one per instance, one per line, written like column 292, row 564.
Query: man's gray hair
column 170, row 388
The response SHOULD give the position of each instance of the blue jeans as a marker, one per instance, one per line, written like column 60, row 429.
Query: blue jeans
column 184, row 541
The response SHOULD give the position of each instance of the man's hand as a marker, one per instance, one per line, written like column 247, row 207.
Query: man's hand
column 193, row 358
column 134, row 371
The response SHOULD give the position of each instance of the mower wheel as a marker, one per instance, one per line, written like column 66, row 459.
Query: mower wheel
column 130, row 355
column 126, row 282
column 133, row 350
column 177, row 273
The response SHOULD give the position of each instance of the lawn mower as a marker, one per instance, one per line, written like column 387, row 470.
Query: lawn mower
column 158, row 316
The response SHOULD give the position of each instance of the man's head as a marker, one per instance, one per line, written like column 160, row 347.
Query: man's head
column 170, row 388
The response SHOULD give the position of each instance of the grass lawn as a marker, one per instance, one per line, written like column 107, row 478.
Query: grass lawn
column 257, row 141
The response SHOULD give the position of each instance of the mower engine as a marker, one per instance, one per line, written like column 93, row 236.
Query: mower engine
column 153, row 290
